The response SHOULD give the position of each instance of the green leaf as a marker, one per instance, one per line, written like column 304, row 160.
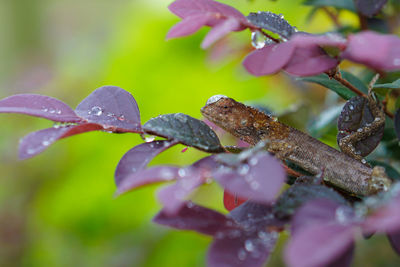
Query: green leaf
column 345, row 4
column 334, row 85
column 393, row 85
column 354, row 80
column 186, row 130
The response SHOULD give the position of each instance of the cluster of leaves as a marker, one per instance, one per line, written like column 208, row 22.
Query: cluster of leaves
column 323, row 223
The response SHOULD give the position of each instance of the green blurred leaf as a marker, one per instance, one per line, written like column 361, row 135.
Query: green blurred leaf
column 345, row 4
column 334, row 85
column 393, row 85
column 354, row 80
column 390, row 171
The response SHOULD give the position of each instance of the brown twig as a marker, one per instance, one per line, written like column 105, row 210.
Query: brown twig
column 333, row 16
column 344, row 82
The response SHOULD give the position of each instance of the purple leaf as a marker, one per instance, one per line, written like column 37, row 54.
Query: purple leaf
column 220, row 30
column 270, row 59
column 319, row 245
column 384, row 219
column 39, row 106
column 355, row 115
column 369, row 8
column 186, row 8
column 189, row 25
column 378, row 51
column 329, row 39
column 259, row 179
column 309, row 60
column 239, row 248
column 272, row 22
column 173, row 197
column 394, row 239
column 186, row 130
column 113, row 108
column 196, row 218
column 149, row 176
column 36, row 142
column 137, row 158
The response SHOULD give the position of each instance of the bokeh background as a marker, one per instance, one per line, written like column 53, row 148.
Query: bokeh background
column 58, row 209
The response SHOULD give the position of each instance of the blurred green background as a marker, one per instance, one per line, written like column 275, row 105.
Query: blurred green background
column 58, row 208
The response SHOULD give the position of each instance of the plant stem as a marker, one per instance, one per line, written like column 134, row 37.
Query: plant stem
column 333, row 16
column 344, row 82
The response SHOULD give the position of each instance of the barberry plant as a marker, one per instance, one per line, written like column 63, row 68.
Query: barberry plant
column 265, row 193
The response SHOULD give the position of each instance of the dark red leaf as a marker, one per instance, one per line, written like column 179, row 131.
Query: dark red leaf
column 36, row 142
column 239, row 248
column 232, row 201
column 258, row 179
column 186, row 130
column 39, row 106
column 189, row 25
column 196, row 218
column 355, row 115
column 375, row 50
column 394, row 239
column 269, row 59
column 113, row 108
column 369, row 8
column 137, row 158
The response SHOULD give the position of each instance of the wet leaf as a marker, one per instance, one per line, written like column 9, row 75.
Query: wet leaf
column 393, row 85
column 397, row 123
column 113, row 108
column 355, row 115
column 369, row 8
column 345, row 4
column 186, row 130
column 137, row 158
column 331, row 84
column 299, row 194
column 36, row 142
column 193, row 217
column 272, row 22
column 259, row 177
column 39, row 106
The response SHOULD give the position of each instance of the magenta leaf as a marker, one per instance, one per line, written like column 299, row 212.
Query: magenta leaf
column 220, row 30
column 113, row 108
column 240, row 248
column 189, row 178
column 36, row 142
column 369, row 8
column 384, row 219
column 186, row 130
column 394, row 239
column 309, row 60
column 258, row 178
column 272, row 22
column 189, row 25
column 39, row 106
column 270, row 59
column 137, row 158
column 324, row 40
column 298, row 194
column 320, row 245
column 193, row 217
column 186, row 8
column 355, row 115
column 375, row 50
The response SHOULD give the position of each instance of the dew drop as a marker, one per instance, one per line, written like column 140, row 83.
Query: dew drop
column 351, row 107
column 258, row 40
column 214, row 99
column 363, row 161
column 242, row 254
column 243, row 169
column 52, row 111
column 182, row 172
column 253, row 161
column 45, row 143
column 96, row 111
column 249, row 245
column 58, row 112
column 148, row 138
column 121, row 118
column 254, row 185
column 189, row 204
column 243, row 122
column 359, row 130
column 30, row 151
column 44, row 109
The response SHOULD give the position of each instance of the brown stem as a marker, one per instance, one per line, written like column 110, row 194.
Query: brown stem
column 344, row 82
column 269, row 36
column 363, row 22
column 333, row 16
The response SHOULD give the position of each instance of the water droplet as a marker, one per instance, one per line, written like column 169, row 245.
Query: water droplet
column 242, row 254
column 377, row 119
column 253, row 161
column 359, row 130
column 148, row 138
column 121, row 118
column 45, row 143
column 182, row 172
column 347, row 118
column 58, row 112
column 281, row 16
column 214, row 99
column 258, row 40
column 133, row 169
column 351, row 107
column 96, row 111
column 44, row 109
column 275, row 119
column 363, row 161
column 243, row 122
column 249, row 245
column 263, row 235
column 52, row 111
column 343, row 215
column 189, row 204
column 243, row 169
